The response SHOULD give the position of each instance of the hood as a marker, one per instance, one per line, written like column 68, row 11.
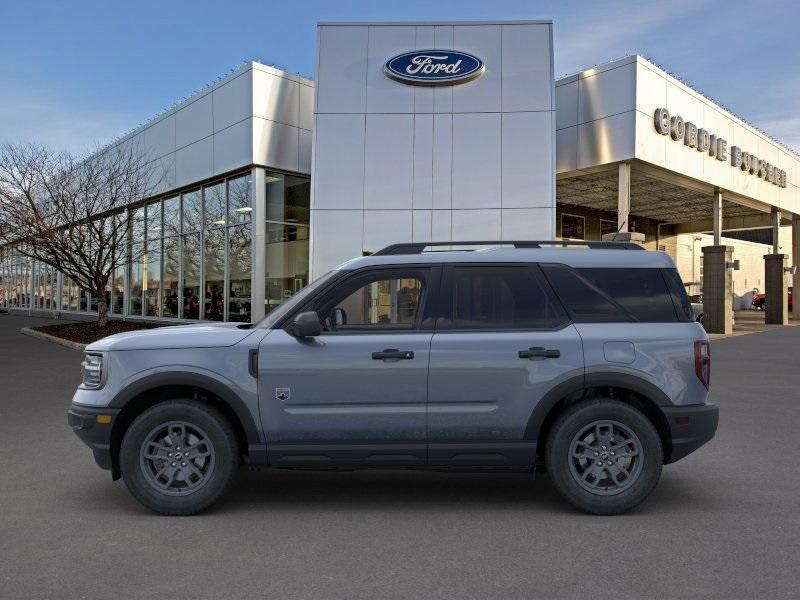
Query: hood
column 207, row 335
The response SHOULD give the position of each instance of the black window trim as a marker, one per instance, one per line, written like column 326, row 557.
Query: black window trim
column 424, row 323
column 445, row 313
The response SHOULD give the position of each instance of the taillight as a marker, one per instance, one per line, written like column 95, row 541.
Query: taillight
column 702, row 361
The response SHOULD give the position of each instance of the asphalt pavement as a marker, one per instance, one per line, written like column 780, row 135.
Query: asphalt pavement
column 723, row 523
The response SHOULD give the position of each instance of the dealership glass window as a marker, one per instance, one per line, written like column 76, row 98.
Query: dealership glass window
column 239, row 208
column 573, row 227
column 135, row 281
column 152, row 278
column 214, row 203
column 288, row 200
column 65, row 289
column 154, row 220
column 137, row 225
column 118, row 301
column 172, row 216
column 192, row 215
column 239, row 273
column 214, row 270
column 607, row 227
column 191, row 276
column 169, row 279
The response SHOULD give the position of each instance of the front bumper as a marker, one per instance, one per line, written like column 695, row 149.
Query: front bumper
column 93, row 426
column 690, row 427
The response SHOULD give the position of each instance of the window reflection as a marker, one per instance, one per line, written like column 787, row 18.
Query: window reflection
column 239, row 273
column 214, row 293
column 172, row 216
column 191, row 276
column 152, row 278
column 214, row 196
column 135, row 279
column 192, row 211
column 239, row 209
column 288, row 201
column 170, row 276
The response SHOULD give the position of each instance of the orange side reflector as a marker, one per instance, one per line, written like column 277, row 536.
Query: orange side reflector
column 104, row 419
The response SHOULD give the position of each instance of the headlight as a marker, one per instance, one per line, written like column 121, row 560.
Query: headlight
column 92, row 371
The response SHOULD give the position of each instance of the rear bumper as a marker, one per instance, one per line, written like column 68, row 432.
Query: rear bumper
column 94, row 432
column 690, row 427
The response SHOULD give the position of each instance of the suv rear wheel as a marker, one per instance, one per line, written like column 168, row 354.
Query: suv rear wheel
column 603, row 456
column 178, row 457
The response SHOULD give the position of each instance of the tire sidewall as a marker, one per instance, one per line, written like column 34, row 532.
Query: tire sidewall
column 213, row 423
column 557, row 456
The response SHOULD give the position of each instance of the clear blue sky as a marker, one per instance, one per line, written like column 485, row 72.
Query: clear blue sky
column 74, row 74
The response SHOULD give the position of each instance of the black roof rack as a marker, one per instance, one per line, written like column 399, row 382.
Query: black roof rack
column 419, row 247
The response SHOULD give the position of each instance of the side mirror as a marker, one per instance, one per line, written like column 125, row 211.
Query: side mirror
column 306, row 324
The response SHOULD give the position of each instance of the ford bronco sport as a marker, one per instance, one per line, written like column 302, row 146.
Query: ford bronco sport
column 585, row 362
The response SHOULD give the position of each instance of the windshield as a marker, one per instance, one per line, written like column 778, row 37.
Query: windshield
column 280, row 311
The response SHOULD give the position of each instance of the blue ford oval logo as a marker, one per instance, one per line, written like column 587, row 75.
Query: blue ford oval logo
column 434, row 67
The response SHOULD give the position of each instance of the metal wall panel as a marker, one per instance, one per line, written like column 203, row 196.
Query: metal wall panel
column 342, row 69
column 476, row 160
column 233, row 146
column 276, row 98
column 528, row 223
column 275, row 145
column 606, row 140
column 567, row 105
column 384, row 227
column 423, row 163
column 607, row 93
column 304, row 150
column 194, row 121
column 159, row 138
column 388, row 173
column 482, row 94
column 194, row 162
column 233, row 101
column 306, row 108
column 566, row 149
column 338, row 174
column 527, row 165
column 334, row 234
column 476, row 224
column 385, row 95
column 442, row 161
column 421, row 224
column 526, row 68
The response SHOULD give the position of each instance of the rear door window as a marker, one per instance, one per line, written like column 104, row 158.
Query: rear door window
column 502, row 297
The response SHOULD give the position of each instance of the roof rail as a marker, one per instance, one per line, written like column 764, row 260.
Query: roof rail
column 419, row 247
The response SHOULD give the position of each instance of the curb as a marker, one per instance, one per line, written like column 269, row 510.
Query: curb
column 52, row 338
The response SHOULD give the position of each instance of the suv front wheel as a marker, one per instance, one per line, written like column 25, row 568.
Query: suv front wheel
column 604, row 456
column 178, row 457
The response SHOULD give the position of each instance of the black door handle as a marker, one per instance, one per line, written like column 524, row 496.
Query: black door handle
column 538, row 352
column 393, row 353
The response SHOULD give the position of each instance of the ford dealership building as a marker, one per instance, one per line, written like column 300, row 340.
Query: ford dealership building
column 438, row 132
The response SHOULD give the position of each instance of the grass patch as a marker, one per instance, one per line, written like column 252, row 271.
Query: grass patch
column 89, row 331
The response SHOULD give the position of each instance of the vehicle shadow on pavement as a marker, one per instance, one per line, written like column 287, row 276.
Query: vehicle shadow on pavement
column 298, row 491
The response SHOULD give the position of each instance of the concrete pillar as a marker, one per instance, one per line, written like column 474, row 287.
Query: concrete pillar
column 258, row 288
column 777, row 310
column 796, row 263
column 717, row 288
column 717, row 217
column 623, row 197
column 776, row 230
column 633, row 237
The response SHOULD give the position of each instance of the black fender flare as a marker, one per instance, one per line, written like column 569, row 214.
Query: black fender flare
column 590, row 380
column 198, row 380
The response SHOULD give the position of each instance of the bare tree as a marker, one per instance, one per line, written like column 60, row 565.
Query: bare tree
column 70, row 213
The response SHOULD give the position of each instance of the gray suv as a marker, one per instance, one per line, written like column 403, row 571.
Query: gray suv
column 584, row 362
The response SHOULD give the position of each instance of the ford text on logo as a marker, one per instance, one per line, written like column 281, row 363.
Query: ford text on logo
column 434, row 67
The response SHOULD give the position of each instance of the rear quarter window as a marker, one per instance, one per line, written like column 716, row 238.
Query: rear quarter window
column 602, row 295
